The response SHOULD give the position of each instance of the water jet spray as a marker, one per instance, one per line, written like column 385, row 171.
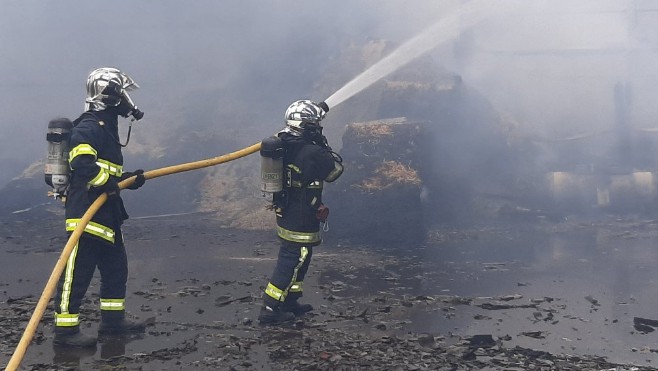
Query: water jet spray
column 446, row 29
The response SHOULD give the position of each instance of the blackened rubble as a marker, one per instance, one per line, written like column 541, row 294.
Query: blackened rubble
column 376, row 309
column 315, row 346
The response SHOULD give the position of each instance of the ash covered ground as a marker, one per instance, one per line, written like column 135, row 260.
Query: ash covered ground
column 574, row 295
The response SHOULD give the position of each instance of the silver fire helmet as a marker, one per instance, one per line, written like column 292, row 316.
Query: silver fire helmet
column 106, row 87
column 302, row 112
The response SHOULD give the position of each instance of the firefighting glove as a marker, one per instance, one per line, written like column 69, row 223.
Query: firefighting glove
column 111, row 187
column 139, row 180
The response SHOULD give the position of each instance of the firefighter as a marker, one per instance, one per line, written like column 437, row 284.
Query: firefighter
column 308, row 161
column 96, row 165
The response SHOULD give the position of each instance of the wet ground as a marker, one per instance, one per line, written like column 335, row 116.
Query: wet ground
column 544, row 296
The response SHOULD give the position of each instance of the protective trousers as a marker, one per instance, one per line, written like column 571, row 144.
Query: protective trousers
column 88, row 254
column 287, row 280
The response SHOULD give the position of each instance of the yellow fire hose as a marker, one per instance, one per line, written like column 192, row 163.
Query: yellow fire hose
column 51, row 285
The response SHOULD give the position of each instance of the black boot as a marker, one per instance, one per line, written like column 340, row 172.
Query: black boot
column 114, row 322
column 294, row 307
column 72, row 337
column 273, row 315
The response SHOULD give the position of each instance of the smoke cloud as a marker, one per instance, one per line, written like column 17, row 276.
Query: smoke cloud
column 232, row 67
column 195, row 61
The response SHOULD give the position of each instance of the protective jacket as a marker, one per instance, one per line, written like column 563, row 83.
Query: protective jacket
column 96, row 160
column 306, row 165
column 96, row 163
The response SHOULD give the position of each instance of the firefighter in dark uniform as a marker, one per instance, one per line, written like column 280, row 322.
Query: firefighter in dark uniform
column 308, row 161
column 96, row 165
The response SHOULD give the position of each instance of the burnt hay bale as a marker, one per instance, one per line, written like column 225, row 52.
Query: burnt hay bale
column 377, row 200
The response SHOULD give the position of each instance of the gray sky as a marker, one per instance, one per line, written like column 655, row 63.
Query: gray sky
column 551, row 64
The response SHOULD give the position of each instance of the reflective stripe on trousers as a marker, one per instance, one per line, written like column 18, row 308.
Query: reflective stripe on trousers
column 67, row 320
column 88, row 255
column 113, row 304
column 279, row 294
column 64, row 318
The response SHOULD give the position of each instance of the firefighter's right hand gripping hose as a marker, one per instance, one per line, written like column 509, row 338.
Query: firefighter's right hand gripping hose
column 140, row 179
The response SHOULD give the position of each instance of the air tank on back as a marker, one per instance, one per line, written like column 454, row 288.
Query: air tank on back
column 57, row 171
column 271, row 170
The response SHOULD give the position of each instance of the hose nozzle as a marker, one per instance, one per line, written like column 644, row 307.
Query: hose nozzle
column 324, row 106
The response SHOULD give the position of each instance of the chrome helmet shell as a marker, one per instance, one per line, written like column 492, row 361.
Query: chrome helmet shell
column 303, row 112
column 106, row 86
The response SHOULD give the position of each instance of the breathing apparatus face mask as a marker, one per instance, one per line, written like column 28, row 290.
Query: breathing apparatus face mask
column 312, row 129
column 313, row 133
column 127, row 107
column 115, row 96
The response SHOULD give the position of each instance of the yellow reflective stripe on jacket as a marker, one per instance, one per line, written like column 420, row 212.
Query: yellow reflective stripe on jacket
column 82, row 149
column 316, row 184
column 295, row 168
column 298, row 184
column 94, row 228
column 113, row 304
column 67, row 319
column 274, row 292
column 302, row 237
column 112, row 168
column 107, row 169
column 100, row 179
